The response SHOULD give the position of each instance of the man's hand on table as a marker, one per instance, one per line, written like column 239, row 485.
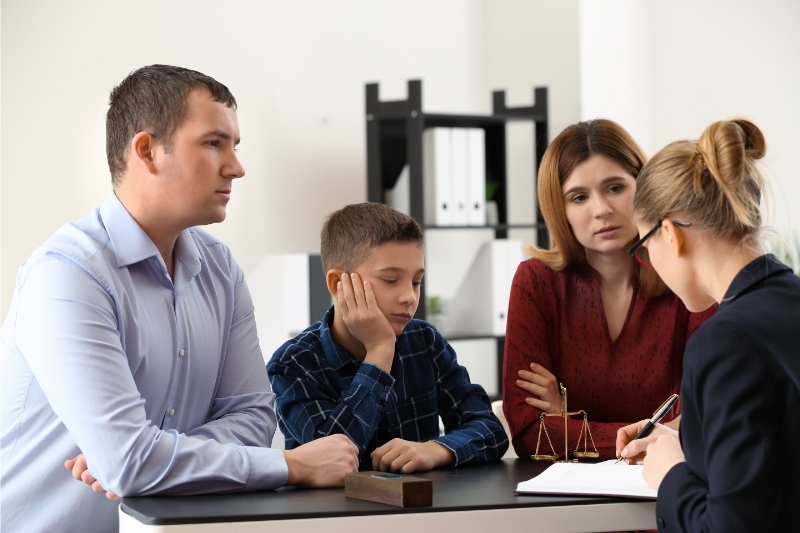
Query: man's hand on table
column 322, row 463
column 80, row 471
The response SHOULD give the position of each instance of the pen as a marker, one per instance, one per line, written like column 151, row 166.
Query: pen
column 657, row 416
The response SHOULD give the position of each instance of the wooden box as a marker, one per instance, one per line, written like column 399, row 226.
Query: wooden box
column 392, row 489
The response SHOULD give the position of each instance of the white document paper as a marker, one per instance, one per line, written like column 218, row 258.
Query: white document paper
column 600, row 479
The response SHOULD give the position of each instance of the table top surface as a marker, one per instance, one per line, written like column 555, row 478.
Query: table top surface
column 488, row 486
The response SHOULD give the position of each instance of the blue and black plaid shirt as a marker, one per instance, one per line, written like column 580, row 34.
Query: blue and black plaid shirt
column 322, row 390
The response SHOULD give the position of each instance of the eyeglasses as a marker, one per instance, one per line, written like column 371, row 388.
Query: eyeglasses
column 640, row 253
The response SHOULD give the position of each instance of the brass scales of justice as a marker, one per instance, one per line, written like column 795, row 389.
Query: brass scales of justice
column 584, row 435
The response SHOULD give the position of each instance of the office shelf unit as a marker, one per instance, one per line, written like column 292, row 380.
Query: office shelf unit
column 395, row 139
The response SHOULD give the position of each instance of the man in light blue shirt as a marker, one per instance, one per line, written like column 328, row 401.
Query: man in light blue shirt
column 131, row 336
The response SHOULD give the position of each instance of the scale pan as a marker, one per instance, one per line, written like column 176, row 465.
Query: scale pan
column 586, row 455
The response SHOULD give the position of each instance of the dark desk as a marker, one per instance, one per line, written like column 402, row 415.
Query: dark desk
column 478, row 498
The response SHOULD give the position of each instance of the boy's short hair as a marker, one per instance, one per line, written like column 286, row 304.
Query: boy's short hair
column 349, row 234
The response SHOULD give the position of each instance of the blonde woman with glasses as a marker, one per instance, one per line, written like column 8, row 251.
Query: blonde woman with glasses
column 734, row 465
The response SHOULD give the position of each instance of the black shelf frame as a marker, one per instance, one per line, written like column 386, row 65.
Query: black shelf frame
column 394, row 139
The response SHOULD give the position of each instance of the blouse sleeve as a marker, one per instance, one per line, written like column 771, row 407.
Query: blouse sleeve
column 530, row 318
column 526, row 334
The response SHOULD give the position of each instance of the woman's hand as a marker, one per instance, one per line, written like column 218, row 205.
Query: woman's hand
column 543, row 385
column 634, row 451
column 662, row 455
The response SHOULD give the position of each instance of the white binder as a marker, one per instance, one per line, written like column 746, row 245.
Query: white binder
column 480, row 306
column 458, row 185
column 476, row 181
column 437, row 171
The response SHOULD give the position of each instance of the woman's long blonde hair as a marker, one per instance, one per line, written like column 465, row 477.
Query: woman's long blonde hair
column 573, row 146
column 713, row 182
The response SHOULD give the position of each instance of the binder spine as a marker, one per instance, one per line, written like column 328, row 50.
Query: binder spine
column 437, row 171
column 459, row 177
column 476, row 177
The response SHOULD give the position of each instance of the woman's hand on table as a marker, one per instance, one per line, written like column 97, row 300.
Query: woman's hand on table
column 543, row 386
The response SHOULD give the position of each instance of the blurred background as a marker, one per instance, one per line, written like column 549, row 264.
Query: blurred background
column 664, row 69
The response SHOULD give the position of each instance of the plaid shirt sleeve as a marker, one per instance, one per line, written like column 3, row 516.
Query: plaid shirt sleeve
column 472, row 431
column 310, row 405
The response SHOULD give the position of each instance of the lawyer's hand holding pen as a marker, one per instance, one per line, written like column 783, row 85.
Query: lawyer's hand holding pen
column 658, row 452
column 633, row 450
column 633, row 440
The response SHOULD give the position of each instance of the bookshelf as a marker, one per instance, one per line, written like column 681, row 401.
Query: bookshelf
column 395, row 139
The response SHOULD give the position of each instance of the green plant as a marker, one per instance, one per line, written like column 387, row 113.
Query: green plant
column 434, row 306
column 491, row 189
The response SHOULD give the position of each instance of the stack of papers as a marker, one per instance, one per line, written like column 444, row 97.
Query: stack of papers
column 600, row 479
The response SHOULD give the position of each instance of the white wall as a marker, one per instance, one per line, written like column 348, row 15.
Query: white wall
column 616, row 65
column 520, row 44
column 666, row 69
column 298, row 71
column 722, row 58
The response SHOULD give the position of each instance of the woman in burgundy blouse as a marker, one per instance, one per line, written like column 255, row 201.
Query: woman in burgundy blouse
column 584, row 313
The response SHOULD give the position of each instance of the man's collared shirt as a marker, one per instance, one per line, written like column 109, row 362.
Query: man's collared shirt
column 322, row 390
column 158, row 381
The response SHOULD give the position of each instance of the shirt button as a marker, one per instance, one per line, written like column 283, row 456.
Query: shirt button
column 387, row 388
column 171, row 412
column 181, row 353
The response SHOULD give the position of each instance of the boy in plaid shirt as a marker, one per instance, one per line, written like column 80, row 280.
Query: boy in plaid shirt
column 370, row 371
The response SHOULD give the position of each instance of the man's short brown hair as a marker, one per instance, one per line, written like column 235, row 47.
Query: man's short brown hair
column 349, row 234
column 153, row 99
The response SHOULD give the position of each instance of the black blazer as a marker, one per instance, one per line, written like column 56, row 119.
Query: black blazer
column 740, row 429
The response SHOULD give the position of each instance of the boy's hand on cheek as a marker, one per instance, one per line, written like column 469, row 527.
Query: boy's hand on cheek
column 404, row 456
column 364, row 319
